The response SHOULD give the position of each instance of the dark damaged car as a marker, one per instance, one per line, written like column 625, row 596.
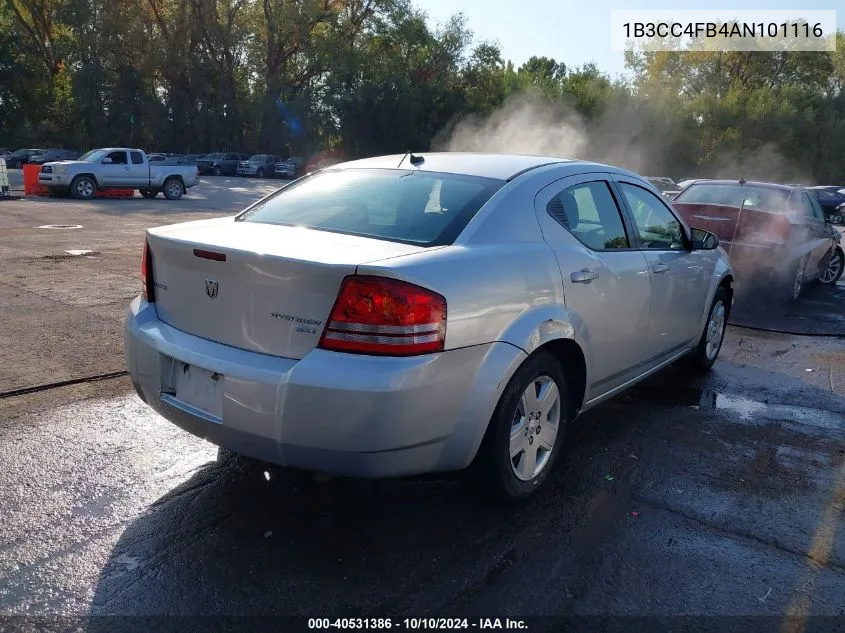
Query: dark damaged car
column 776, row 236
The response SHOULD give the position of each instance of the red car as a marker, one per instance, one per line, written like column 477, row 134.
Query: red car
column 775, row 235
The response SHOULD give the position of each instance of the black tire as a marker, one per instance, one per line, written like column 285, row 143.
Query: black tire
column 83, row 188
column 260, row 173
column 173, row 189
column 148, row 193
column 836, row 260
column 216, row 171
column 494, row 465
column 700, row 360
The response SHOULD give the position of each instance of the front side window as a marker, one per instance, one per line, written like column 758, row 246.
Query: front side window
column 818, row 212
column 658, row 229
column 414, row 207
column 589, row 212
column 118, row 158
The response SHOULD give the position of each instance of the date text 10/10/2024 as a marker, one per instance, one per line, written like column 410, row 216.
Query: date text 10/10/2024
column 416, row 623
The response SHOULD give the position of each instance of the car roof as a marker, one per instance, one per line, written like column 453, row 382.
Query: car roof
column 498, row 166
column 750, row 183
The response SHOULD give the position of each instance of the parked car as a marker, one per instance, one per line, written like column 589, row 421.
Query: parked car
column 120, row 168
column 17, row 159
column 667, row 187
column 392, row 316
column 776, row 235
column 51, row 155
column 683, row 184
column 221, row 163
column 157, row 158
column 289, row 168
column 4, row 151
column 258, row 165
column 830, row 198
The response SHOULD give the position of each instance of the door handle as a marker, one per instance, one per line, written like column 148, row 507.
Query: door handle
column 583, row 276
column 660, row 268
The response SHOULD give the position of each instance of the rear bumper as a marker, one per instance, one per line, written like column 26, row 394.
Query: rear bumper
column 339, row 413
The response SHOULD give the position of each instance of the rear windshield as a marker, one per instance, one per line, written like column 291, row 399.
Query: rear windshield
column 259, row 157
column 747, row 196
column 412, row 207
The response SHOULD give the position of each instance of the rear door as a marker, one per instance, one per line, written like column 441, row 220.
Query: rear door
column 139, row 172
column 679, row 277
column 606, row 284
column 815, row 230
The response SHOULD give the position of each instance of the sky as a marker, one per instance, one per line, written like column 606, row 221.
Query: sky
column 576, row 32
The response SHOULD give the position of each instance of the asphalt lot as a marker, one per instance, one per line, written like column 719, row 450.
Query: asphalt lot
column 719, row 496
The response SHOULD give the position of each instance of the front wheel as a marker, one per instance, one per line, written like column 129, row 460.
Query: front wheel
column 526, row 431
column 260, row 173
column 710, row 343
column 217, row 171
column 173, row 189
column 83, row 188
column 833, row 271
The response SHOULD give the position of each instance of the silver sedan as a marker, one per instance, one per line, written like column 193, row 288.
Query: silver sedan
column 418, row 313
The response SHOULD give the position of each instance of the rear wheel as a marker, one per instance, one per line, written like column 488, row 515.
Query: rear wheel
column 526, row 431
column 710, row 343
column 833, row 271
column 83, row 188
column 173, row 189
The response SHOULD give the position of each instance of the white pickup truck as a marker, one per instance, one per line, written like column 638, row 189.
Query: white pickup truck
column 117, row 168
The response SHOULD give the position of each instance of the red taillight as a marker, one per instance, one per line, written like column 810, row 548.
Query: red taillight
column 147, row 284
column 386, row 317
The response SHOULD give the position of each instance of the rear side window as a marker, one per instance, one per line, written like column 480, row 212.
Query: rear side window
column 589, row 212
column 414, row 207
column 137, row 159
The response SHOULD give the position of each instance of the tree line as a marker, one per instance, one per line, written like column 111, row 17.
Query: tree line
column 364, row 77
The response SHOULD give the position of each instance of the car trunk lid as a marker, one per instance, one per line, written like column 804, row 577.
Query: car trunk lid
column 260, row 287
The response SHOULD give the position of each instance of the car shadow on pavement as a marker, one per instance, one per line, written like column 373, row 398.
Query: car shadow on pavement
column 643, row 481
column 819, row 311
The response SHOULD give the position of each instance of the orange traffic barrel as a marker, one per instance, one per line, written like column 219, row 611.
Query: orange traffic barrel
column 30, row 181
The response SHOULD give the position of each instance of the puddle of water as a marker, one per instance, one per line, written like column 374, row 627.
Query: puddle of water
column 59, row 226
column 745, row 407
column 81, row 251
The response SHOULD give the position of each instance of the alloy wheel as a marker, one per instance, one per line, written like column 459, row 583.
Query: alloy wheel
column 833, row 270
column 534, row 428
column 715, row 330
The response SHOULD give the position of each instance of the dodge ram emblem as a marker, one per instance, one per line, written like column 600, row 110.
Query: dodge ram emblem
column 211, row 288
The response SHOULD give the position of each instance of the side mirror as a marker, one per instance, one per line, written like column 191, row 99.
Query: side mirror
column 107, row 161
column 703, row 240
